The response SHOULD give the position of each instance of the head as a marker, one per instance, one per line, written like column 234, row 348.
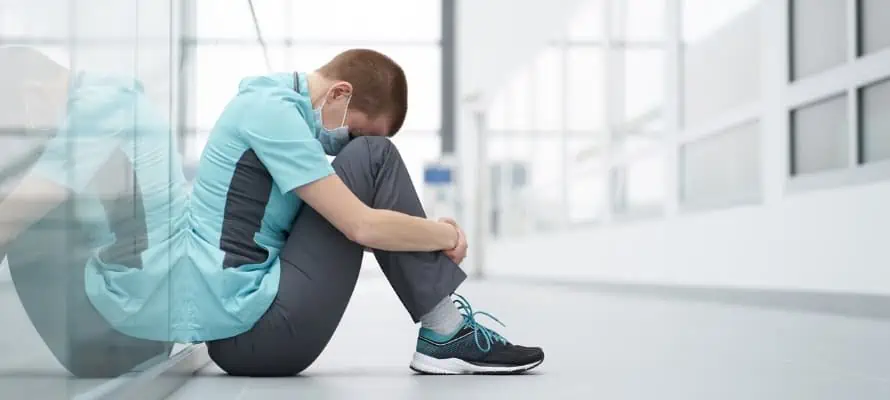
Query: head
column 33, row 89
column 362, row 89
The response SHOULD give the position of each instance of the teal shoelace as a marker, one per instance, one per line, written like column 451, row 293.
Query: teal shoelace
column 488, row 336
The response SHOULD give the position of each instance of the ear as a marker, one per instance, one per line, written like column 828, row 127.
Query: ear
column 341, row 89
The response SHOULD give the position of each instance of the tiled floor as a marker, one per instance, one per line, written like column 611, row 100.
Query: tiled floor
column 598, row 347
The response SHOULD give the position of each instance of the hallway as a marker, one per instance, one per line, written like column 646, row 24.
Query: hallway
column 598, row 346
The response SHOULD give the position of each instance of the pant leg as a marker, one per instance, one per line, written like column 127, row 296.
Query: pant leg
column 47, row 264
column 320, row 267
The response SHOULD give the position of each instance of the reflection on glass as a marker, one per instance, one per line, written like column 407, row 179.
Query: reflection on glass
column 88, row 201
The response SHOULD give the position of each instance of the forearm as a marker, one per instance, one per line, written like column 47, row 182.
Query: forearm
column 393, row 231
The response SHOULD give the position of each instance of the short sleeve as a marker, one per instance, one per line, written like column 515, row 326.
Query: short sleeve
column 91, row 131
column 276, row 131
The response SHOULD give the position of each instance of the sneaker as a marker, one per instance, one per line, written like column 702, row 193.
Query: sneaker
column 473, row 349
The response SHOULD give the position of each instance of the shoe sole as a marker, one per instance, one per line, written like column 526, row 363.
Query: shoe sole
column 452, row 366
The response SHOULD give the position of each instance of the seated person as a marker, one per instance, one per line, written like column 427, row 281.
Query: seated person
column 280, row 272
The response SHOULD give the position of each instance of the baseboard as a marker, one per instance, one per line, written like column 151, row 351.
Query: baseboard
column 156, row 382
column 856, row 305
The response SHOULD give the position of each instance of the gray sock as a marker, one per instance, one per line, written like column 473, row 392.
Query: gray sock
column 443, row 319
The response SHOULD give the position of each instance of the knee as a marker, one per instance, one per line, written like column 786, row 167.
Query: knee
column 374, row 148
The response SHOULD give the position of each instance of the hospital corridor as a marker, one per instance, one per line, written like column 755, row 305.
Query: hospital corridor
column 573, row 199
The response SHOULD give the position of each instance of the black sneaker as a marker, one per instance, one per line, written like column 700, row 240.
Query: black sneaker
column 473, row 349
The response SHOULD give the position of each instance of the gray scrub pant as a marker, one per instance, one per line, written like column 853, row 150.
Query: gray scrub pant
column 320, row 268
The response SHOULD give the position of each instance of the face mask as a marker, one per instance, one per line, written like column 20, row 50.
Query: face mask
column 332, row 140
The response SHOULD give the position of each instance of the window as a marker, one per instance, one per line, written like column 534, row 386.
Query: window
column 548, row 90
column 639, row 187
column 820, row 136
column 643, row 83
column 721, row 169
column 818, row 36
column 587, row 21
column 371, row 21
column 227, row 19
column 644, row 19
column 875, row 122
column 586, row 111
column 220, row 69
column 874, row 32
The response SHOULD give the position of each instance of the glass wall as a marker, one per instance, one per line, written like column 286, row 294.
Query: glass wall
column 87, row 106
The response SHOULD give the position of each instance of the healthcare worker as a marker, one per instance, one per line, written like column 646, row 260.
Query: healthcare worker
column 244, row 264
column 279, row 231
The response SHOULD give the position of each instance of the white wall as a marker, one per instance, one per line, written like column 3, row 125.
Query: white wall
column 833, row 240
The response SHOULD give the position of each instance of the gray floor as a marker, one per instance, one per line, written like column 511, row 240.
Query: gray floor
column 598, row 347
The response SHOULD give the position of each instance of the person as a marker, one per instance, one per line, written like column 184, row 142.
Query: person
column 279, row 231
column 262, row 258
column 68, row 203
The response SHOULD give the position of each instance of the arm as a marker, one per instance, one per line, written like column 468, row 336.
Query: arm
column 379, row 229
column 281, row 139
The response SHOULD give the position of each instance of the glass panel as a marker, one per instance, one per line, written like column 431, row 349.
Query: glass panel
column 220, row 69
column 644, row 19
column 818, row 36
column 587, row 21
column 643, row 84
column 722, row 169
column 716, row 35
column 548, row 91
column 586, row 111
column 542, row 197
column 58, row 340
column 875, row 102
column 586, row 181
column 820, row 135
column 371, row 21
column 875, row 32
column 228, row 19
column 640, row 186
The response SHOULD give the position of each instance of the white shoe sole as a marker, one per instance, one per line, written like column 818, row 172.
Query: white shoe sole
column 453, row 366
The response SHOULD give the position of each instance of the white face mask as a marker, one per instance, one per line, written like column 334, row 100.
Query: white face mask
column 333, row 140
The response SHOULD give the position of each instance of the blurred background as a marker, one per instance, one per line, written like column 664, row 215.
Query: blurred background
column 733, row 145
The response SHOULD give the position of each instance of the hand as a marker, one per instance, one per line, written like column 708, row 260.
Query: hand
column 459, row 252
